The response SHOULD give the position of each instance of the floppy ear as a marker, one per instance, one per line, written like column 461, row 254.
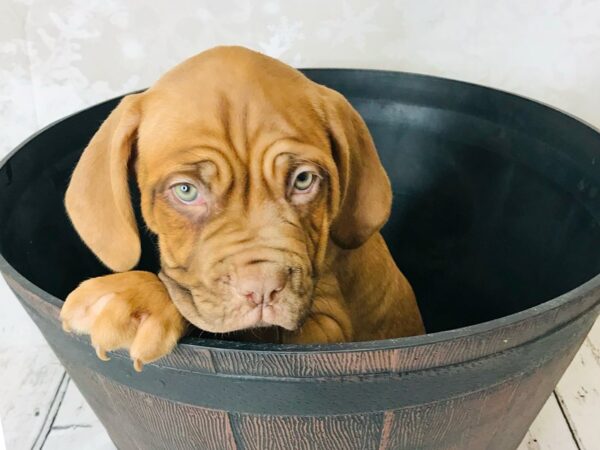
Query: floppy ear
column 97, row 199
column 365, row 191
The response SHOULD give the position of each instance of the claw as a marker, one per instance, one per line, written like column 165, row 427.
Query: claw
column 102, row 353
column 66, row 327
column 138, row 365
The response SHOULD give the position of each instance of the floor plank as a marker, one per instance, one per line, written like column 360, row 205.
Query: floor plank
column 30, row 383
column 52, row 412
column 579, row 392
column 31, row 375
column 76, row 426
column 549, row 431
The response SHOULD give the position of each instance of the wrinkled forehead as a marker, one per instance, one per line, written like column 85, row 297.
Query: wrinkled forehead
column 238, row 108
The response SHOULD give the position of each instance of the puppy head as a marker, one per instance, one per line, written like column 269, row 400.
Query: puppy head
column 246, row 170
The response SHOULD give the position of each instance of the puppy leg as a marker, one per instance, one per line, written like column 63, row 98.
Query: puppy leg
column 129, row 310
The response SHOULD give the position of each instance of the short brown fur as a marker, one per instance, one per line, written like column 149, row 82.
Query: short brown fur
column 237, row 124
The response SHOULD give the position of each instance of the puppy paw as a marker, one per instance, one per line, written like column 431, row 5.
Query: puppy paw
column 129, row 310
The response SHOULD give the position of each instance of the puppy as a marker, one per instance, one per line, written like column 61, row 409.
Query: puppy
column 267, row 196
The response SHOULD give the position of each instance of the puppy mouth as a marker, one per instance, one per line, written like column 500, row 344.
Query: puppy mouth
column 266, row 315
column 288, row 314
column 260, row 316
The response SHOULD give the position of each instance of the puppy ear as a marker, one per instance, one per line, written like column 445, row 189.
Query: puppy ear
column 364, row 187
column 97, row 199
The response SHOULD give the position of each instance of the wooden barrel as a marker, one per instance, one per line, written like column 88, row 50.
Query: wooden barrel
column 494, row 222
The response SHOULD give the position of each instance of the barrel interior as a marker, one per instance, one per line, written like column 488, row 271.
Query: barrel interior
column 494, row 197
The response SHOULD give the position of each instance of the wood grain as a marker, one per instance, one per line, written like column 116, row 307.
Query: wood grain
column 305, row 433
column 186, row 357
column 466, row 422
column 303, row 364
column 154, row 423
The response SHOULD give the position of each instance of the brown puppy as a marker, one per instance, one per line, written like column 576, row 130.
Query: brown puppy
column 267, row 196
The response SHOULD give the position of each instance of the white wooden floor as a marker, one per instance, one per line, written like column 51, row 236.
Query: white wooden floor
column 40, row 408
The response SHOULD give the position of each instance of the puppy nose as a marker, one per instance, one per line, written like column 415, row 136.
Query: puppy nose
column 261, row 282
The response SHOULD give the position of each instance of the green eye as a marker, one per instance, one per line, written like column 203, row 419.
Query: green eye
column 304, row 181
column 186, row 192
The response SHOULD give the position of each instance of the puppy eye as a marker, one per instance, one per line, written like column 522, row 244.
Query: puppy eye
column 186, row 192
column 304, row 180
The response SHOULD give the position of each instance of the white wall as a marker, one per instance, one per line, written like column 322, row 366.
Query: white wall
column 57, row 56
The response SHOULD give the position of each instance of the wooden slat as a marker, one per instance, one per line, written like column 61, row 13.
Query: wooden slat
column 31, row 376
column 549, row 431
column 76, row 426
column 305, row 433
column 579, row 392
column 135, row 421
